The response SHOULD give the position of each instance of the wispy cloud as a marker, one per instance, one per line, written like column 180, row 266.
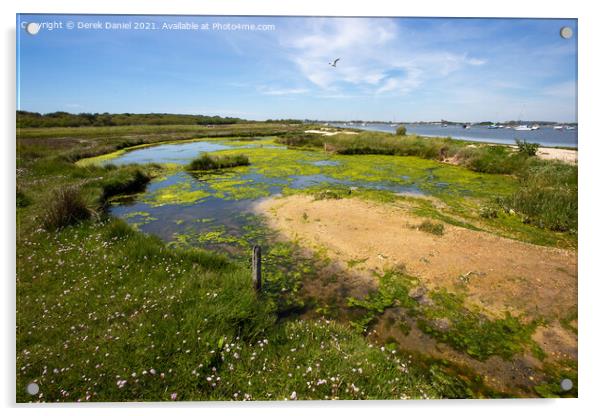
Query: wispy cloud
column 281, row 91
column 373, row 57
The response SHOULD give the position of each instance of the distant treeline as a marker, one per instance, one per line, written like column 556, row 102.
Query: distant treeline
column 285, row 121
column 64, row 119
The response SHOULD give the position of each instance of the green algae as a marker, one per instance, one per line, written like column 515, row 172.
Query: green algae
column 100, row 159
column 446, row 318
column 429, row 176
column 139, row 218
column 178, row 194
column 218, row 236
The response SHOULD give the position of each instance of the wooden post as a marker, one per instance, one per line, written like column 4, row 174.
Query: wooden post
column 256, row 264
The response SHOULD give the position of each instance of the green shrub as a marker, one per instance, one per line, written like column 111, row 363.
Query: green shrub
column 66, row 207
column 338, row 193
column 493, row 159
column 210, row 162
column 431, row 227
column 301, row 139
column 529, row 149
column 488, row 212
column 401, row 130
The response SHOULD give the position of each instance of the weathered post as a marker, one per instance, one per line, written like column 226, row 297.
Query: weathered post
column 257, row 268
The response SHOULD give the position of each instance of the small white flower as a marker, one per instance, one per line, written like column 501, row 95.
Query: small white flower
column 294, row 395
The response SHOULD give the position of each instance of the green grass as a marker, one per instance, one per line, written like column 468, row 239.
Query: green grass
column 211, row 162
column 21, row 199
column 139, row 321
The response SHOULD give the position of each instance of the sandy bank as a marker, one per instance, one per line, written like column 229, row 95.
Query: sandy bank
column 503, row 274
column 564, row 155
column 329, row 132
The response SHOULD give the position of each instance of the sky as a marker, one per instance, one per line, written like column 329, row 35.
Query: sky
column 390, row 69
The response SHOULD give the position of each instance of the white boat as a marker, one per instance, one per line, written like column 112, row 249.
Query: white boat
column 558, row 127
column 569, row 128
column 523, row 128
column 535, row 127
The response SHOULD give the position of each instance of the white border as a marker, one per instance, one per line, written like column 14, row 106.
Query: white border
column 590, row 149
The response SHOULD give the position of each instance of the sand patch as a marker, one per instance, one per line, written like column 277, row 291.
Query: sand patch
column 329, row 132
column 564, row 155
column 500, row 274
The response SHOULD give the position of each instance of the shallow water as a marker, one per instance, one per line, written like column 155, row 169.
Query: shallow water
column 545, row 136
column 168, row 153
column 215, row 210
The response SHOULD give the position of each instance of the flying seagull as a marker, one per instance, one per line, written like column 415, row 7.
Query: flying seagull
column 334, row 63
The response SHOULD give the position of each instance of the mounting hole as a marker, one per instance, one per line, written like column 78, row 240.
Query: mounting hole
column 33, row 388
column 32, row 28
column 566, row 384
column 566, row 32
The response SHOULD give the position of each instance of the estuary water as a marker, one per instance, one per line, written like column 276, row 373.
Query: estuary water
column 545, row 136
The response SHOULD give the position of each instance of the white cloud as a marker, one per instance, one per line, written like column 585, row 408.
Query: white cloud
column 282, row 91
column 375, row 56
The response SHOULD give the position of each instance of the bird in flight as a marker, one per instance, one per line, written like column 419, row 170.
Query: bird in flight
column 334, row 63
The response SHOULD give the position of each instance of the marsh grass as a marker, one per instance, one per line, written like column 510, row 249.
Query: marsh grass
column 547, row 196
column 300, row 139
column 67, row 206
column 211, row 162
column 126, row 180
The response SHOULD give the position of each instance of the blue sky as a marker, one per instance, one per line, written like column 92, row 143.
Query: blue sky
column 390, row 68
